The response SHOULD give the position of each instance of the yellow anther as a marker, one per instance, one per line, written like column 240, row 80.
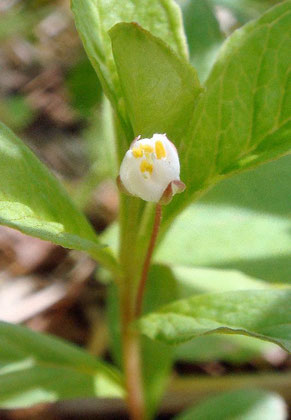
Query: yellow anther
column 146, row 166
column 137, row 152
column 160, row 150
column 147, row 148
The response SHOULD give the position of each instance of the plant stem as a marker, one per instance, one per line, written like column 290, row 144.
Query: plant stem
column 131, row 360
column 147, row 261
column 130, row 309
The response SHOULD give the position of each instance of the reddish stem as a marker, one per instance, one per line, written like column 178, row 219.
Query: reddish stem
column 132, row 362
column 147, row 261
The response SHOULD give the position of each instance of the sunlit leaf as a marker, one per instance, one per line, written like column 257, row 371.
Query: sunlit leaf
column 34, row 202
column 36, row 368
column 94, row 18
column 243, row 117
column 264, row 314
column 160, row 89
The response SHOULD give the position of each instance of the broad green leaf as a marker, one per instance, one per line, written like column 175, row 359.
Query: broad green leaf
column 264, row 314
column 94, row 18
column 232, row 348
column 157, row 357
column 265, row 189
column 36, row 368
column 34, row 202
column 160, row 89
column 192, row 280
column 223, row 236
column 243, row 117
column 244, row 404
column 203, row 34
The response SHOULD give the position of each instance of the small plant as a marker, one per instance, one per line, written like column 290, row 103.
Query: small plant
column 165, row 122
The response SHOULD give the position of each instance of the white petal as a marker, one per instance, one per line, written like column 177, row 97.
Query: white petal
column 146, row 185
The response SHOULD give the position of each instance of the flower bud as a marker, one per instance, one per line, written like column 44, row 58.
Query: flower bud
column 151, row 170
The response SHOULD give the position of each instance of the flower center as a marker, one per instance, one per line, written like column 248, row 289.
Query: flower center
column 148, row 152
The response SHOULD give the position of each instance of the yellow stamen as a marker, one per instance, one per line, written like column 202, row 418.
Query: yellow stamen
column 146, row 166
column 137, row 152
column 160, row 150
column 147, row 148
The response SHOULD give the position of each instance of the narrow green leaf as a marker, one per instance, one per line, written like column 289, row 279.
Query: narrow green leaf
column 160, row 89
column 94, row 18
column 243, row 117
column 264, row 314
column 244, row 404
column 36, row 368
column 34, row 202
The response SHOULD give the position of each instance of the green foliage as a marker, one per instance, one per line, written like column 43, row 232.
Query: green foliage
column 240, row 119
column 243, row 117
column 159, row 88
column 230, row 237
column 265, row 189
column 36, row 368
column 231, row 348
column 243, row 223
column 34, row 202
column 206, row 280
column 248, row 404
column 95, row 18
column 264, row 314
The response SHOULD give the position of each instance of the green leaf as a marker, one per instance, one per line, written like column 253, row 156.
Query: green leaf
column 94, row 18
column 157, row 358
column 242, row 224
column 264, row 314
column 203, row 34
column 160, row 89
column 202, row 280
column 223, row 236
column 231, row 348
column 34, row 202
column 36, row 368
column 243, row 117
column 248, row 404
column 265, row 189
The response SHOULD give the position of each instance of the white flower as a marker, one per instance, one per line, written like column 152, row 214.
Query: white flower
column 151, row 169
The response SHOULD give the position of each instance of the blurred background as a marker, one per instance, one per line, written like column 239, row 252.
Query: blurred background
column 51, row 97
